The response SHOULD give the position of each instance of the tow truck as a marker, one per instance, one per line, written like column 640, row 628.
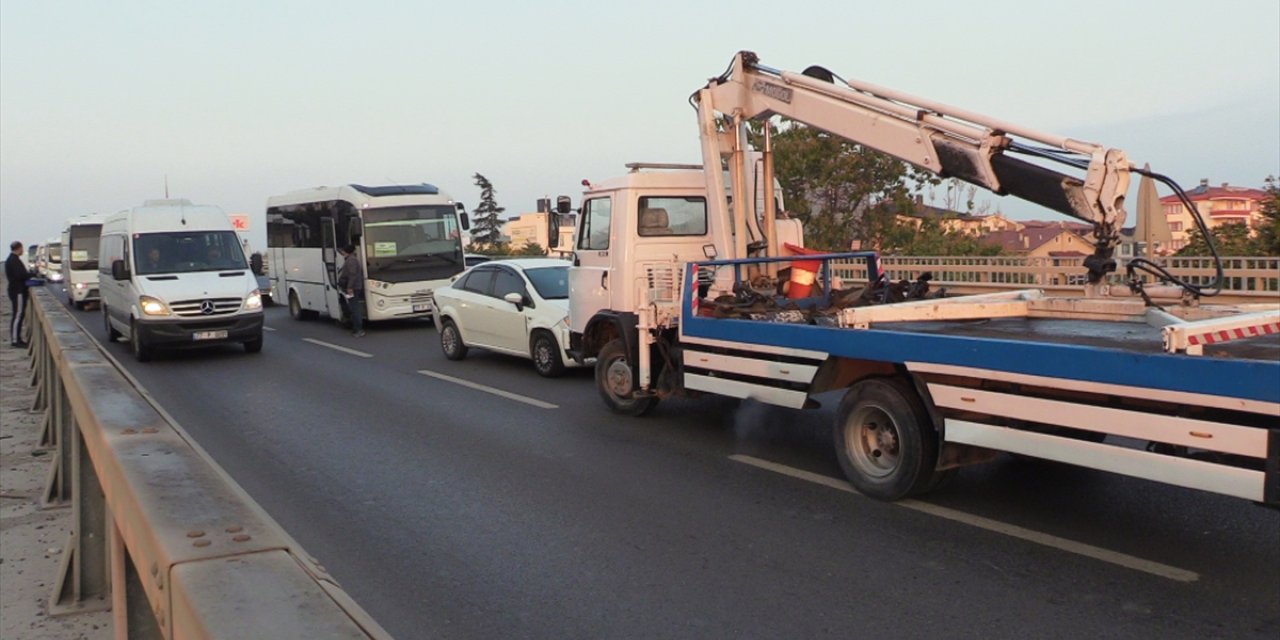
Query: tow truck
column 676, row 289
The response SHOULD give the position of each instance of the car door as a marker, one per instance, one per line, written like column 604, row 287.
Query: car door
column 470, row 303
column 506, row 320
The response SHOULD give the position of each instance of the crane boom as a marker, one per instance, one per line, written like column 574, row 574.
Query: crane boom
column 945, row 140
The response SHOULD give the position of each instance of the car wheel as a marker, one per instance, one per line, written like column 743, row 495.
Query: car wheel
column 615, row 380
column 112, row 334
column 141, row 350
column 545, row 352
column 451, row 341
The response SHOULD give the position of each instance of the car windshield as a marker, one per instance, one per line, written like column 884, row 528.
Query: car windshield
column 420, row 242
column 186, row 251
column 84, row 246
column 552, row 283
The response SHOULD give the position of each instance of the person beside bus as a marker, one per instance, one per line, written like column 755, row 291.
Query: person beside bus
column 351, row 282
column 16, row 272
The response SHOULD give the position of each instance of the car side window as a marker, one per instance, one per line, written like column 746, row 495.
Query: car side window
column 507, row 282
column 478, row 281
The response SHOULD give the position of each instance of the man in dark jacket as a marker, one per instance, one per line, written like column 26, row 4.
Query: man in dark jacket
column 351, row 285
column 16, row 272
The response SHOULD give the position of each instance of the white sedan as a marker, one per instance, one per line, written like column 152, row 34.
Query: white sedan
column 519, row 307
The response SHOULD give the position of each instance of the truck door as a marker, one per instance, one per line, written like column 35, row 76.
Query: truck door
column 589, row 277
column 329, row 254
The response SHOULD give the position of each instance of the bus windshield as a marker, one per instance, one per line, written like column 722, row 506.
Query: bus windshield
column 186, row 251
column 84, row 246
column 404, row 244
column 55, row 253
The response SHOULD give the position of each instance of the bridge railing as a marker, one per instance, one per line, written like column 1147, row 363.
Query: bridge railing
column 161, row 535
column 1244, row 276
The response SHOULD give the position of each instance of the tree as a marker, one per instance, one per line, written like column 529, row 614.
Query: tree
column 486, row 227
column 837, row 187
column 1268, row 240
column 530, row 249
column 1230, row 239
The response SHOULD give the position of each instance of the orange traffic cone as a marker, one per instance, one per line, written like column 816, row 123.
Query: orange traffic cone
column 804, row 273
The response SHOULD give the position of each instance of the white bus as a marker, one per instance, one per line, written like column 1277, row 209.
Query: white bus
column 408, row 237
column 52, row 269
column 80, row 259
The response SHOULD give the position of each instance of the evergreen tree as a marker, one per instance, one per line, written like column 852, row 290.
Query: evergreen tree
column 486, row 220
column 1268, row 240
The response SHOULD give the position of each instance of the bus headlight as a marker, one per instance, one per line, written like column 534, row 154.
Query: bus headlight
column 378, row 284
column 80, row 285
column 153, row 306
column 253, row 300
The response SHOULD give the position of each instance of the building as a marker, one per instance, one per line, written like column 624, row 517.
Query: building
column 533, row 228
column 1039, row 239
column 1217, row 205
column 955, row 221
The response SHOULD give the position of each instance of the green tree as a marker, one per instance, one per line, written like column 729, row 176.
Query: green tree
column 530, row 249
column 1268, row 240
column 837, row 187
column 1230, row 239
column 493, row 249
column 486, row 227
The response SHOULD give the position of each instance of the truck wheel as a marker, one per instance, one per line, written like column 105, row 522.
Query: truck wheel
column 141, row 351
column 451, row 341
column 546, row 355
column 112, row 334
column 295, row 307
column 253, row 346
column 617, row 381
column 885, row 441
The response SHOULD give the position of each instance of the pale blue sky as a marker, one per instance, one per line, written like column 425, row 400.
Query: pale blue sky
column 236, row 101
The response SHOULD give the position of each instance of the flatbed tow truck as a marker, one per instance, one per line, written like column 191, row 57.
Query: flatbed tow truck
column 674, row 291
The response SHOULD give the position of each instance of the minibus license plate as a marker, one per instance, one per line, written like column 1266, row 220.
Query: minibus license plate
column 210, row 335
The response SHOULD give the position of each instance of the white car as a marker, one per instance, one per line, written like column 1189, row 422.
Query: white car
column 519, row 307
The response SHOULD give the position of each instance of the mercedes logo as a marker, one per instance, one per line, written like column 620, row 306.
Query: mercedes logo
column 206, row 307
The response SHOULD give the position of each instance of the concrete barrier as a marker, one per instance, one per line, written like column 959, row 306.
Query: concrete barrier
column 162, row 535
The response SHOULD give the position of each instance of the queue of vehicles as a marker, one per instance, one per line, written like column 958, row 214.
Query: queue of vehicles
column 929, row 386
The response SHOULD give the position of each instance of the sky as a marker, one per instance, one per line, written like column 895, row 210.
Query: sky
column 232, row 102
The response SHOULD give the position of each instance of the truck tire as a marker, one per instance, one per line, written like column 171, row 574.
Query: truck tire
column 616, row 381
column 885, row 441
column 545, row 352
column 141, row 350
column 451, row 341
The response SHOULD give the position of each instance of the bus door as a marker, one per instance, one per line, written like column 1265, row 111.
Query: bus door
column 329, row 253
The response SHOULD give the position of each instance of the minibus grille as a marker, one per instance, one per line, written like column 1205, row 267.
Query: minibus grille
column 205, row 307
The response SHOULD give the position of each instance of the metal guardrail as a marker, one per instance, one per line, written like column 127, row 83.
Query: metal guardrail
column 1245, row 277
column 161, row 535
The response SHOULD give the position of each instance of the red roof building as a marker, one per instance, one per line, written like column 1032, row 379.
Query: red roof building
column 1217, row 205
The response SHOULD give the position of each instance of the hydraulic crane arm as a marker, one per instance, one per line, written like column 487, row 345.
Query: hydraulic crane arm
column 945, row 140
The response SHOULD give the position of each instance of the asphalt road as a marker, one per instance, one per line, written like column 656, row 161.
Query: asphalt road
column 450, row 511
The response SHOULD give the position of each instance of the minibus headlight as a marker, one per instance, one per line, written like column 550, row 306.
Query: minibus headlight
column 253, row 300
column 153, row 306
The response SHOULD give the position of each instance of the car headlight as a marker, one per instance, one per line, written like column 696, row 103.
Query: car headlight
column 153, row 306
column 253, row 300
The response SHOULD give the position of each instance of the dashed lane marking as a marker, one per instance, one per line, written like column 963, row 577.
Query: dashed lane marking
column 1011, row 530
column 338, row 347
column 265, row 328
column 487, row 389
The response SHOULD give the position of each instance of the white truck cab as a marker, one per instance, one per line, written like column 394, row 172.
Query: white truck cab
column 173, row 275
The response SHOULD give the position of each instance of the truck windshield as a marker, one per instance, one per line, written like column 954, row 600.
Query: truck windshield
column 84, row 246
column 404, row 244
column 186, row 251
column 552, row 283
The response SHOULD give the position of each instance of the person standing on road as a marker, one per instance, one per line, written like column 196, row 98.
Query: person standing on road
column 351, row 283
column 16, row 272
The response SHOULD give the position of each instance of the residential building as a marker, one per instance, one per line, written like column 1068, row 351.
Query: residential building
column 1217, row 205
column 531, row 228
column 1044, row 240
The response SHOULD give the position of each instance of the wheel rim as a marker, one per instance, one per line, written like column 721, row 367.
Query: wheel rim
column 449, row 338
column 872, row 441
column 617, row 379
column 542, row 354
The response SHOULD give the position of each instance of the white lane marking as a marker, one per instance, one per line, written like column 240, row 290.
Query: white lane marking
column 487, row 389
column 1011, row 530
column 336, row 347
column 266, row 328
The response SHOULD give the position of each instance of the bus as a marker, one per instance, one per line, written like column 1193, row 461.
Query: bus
column 52, row 268
column 408, row 237
column 80, row 259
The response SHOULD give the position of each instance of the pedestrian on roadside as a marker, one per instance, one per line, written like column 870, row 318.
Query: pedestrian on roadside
column 16, row 272
column 351, row 284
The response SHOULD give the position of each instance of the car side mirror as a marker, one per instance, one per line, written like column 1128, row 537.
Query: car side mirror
column 515, row 298
column 119, row 270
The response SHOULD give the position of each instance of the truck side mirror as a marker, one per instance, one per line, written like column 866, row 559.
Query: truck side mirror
column 119, row 270
column 553, row 229
column 355, row 229
column 563, row 205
